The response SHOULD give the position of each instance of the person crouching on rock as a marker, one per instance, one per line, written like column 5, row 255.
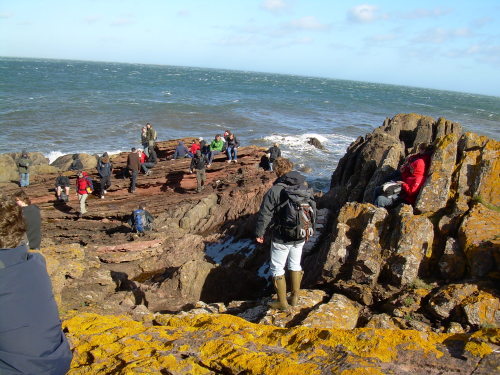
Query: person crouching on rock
column 151, row 162
column 31, row 338
column 83, row 189
column 290, row 207
column 412, row 177
column 198, row 164
column 62, row 187
column 141, row 220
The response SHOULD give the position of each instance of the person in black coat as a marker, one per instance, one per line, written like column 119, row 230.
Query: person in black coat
column 32, row 219
column 31, row 338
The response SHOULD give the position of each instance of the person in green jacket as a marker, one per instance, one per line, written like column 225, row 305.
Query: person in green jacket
column 215, row 148
column 23, row 165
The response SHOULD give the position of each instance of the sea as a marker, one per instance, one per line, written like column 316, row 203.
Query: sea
column 61, row 107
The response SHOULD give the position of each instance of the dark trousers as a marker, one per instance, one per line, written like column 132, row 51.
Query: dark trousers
column 133, row 179
column 200, row 179
column 105, row 183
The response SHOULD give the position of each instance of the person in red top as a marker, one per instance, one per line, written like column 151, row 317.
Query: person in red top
column 413, row 173
column 142, row 156
column 195, row 146
column 83, row 186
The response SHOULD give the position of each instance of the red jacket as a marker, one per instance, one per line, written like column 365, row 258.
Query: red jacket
column 194, row 147
column 413, row 175
column 82, row 184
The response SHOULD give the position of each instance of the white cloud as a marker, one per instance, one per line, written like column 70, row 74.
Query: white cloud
column 439, row 35
column 122, row 22
column 183, row 13
column 381, row 38
column 6, row 15
column 308, row 23
column 275, row 6
column 480, row 22
column 427, row 13
column 363, row 13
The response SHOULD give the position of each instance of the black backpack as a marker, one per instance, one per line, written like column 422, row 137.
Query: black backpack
column 297, row 213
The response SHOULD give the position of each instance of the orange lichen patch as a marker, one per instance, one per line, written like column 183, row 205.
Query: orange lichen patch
column 362, row 371
column 205, row 344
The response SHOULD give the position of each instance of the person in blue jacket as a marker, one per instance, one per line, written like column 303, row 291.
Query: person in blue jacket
column 31, row 338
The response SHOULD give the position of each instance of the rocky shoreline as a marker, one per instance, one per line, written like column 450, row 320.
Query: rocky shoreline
column 413, row 290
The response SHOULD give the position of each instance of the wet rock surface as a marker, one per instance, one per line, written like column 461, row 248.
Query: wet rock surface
column 415, row 287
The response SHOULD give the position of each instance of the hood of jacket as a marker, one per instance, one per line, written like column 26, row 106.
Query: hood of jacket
column 291, row 178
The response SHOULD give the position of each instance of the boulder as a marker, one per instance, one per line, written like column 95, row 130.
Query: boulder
column 411, row 241
column 478, row 237
column 452, row 263
column 443, row 302
column 8, row 169
column 316, row 143
column 436, row 190
column 482, row 309
column 64, row 162
column 340, row 313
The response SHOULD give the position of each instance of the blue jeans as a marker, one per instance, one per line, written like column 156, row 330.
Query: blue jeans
column 211, row 156
column 24, row 179
column 282, row 254
column 232, row 152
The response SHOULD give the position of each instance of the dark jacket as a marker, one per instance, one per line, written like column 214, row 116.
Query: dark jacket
column 198, row 162
column 232, row 142
column 274, row 153
column 268, row 213
column 104, row 167
column 23, row 164
column 133, row 162
column 31, row 339
column 181, row 150
column 33, row 220
column 76, row 165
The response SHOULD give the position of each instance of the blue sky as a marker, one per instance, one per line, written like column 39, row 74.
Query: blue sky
column 451, row 45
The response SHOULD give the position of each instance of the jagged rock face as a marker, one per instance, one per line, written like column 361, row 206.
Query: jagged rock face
column 64, row 162
column 435, row 192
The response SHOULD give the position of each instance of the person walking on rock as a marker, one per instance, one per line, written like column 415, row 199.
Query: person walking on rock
column 23, row 165
column 198, row 164
column 104, row 169
column 290, row 207
column 31, row 338
column 84, row 187
column 32, row 218
column 133, row 165
column 272, row 154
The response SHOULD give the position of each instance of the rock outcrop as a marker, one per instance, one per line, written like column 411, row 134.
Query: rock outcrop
column 408, row 290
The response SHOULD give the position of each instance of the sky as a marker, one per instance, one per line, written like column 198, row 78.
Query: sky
column 448, row 45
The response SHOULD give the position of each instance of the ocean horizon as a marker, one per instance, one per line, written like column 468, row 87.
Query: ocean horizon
column 66, row 106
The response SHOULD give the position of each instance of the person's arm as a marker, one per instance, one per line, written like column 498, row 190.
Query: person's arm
column 149, row 217
column 236, row 143
column 415, row 181
column 266, row 213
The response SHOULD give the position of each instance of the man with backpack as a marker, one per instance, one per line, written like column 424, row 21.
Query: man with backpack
column 84, row 187
column 289, row 205
column 198, row 164
column 141, row 220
